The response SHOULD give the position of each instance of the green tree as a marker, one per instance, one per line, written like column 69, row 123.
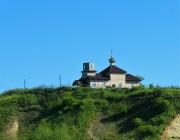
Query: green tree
column 151, row 86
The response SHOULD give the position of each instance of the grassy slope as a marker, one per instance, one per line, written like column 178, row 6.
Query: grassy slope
column 66, row 113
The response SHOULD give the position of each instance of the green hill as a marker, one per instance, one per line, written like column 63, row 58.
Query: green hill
column 86, row 114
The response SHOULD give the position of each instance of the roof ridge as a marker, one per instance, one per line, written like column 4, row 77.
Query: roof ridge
column 113, row 69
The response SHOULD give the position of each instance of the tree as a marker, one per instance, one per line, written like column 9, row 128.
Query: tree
column 151, row 86
column 140, row 77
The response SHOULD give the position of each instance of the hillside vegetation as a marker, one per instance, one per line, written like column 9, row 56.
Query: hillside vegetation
column 87, row 114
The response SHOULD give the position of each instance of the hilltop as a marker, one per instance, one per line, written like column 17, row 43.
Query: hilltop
column 85, row 113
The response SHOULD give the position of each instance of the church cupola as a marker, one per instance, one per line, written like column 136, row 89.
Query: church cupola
column 112, row 60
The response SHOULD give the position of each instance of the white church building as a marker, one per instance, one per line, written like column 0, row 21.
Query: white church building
column 111, row 77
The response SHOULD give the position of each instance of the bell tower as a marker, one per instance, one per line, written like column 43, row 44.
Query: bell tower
column 88, row 70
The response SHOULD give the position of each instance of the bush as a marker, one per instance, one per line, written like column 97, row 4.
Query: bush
column 115, row 108
column 69, row 103
column 101, row 105
column 146, row 130
column 137, row 122
column 161, row 105
column 151, row 86
column 46, row 132
column 61, row 133
column 27, row 100
column 87, row 110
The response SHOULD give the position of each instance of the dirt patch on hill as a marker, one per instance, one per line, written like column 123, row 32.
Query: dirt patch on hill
column 172, row 132
column 100, row 130
column 11, row 131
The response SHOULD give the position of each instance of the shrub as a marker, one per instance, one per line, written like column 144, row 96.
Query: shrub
column 87, row 110
column 176, row 105
column 69, row 103
column 61, row 133
column 161, row 105
column 115, row 108
column 146, row 130
column 136, row 122
column 151, row 86
column 46, row 132
column 27, row 100
column 5, row 116
column 101, row 105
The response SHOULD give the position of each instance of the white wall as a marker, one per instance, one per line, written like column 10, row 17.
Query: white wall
column 91, row 74
column 97, row 84
column 132, row 84
column 118, row 80
column 85, row 74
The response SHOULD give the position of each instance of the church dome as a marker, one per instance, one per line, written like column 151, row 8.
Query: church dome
column 112, row 60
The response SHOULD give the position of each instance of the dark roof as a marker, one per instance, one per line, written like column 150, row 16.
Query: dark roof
column 77, row 82
column 80, row 82
column 130, row 77
column 113, row 70
column 98, row 77
column 84, row 81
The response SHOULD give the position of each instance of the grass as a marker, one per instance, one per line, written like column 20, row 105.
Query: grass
column 67, row 113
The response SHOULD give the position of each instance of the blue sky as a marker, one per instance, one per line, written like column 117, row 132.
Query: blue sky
column 40, row 40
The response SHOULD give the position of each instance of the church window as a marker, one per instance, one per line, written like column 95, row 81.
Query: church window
column 132, row 85
column 104, row 85
column 120, row 85
column 93, row 84
column 91, row 66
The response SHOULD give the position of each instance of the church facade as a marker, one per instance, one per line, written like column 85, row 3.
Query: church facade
column 111, row 77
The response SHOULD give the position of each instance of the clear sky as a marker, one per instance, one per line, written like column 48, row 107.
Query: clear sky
column 42, row 39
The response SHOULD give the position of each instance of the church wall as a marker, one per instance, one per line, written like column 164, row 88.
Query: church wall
column 119, row 83
column 91, row 74
column 117, row 80
column 132, row 84
column 98, row 84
